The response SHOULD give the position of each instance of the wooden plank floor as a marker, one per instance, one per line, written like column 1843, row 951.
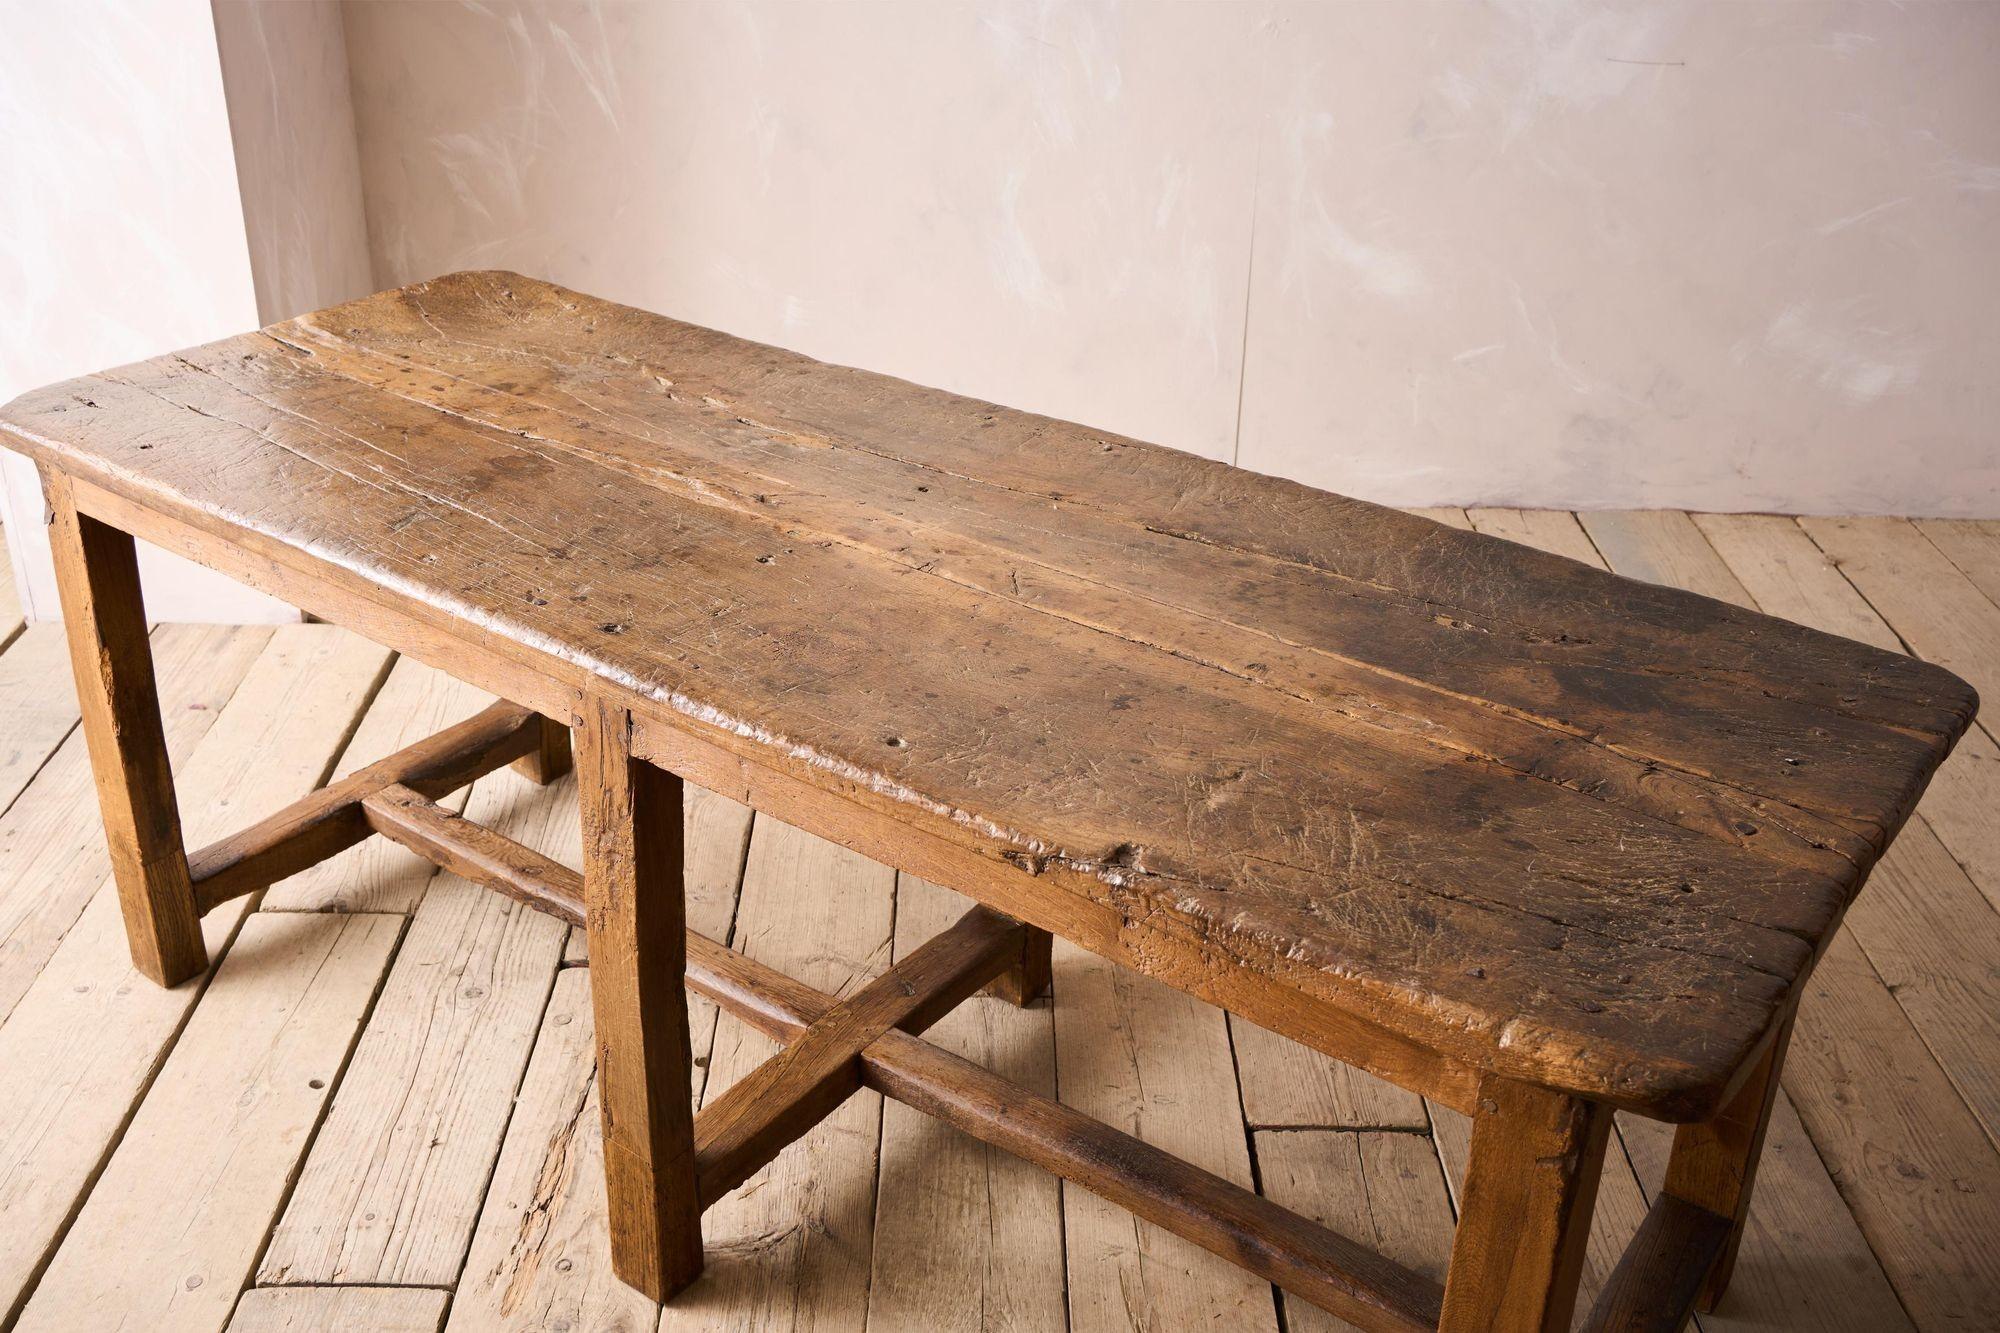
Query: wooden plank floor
column 377, row 1109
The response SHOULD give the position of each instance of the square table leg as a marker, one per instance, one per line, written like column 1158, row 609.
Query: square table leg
column 550, row 758
column 97, row 577
column 1524, row 1212
column 1714, row 1165
column 1029, row 978
column 634, row 917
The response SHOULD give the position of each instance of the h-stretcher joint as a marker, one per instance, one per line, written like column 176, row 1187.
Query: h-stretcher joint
column 833, row 1048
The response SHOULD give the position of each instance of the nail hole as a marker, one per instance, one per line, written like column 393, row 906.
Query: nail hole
column 316, row 1083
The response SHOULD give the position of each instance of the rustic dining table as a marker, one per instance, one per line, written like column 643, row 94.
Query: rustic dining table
column 1536, row 841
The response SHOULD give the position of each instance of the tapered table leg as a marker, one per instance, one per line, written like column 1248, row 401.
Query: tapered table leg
column 1714, row 1165
column 97, row 576
column 1524, row 1214
column 1028, row 979
column 634, row 915
column 550, row 758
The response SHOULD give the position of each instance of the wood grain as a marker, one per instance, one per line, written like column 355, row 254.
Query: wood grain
column 550, row 758
column 636, row 913
column 1148, row 1061
column 38, row 707
column 52, row 855
column 392, row 1188
column 97, row 575
column 93, row 1026
column 171, row 1230
column 1408, row 758
column 1923, row 594
column 1525, row 1210
column 541, row 1257
column 1713, row 1167
column 1385, row 1190
column 1553, row 530
column 331, row 819
column 376, row 875
column 1657, row 1281
column 786, row 1096
column 339, row 1309
column 968, row 1237
column 791, row 1249
column 1803, row 1261
column 1621, row 1201
column 830, row 1046
column 10, row 600
column 1897, row 1125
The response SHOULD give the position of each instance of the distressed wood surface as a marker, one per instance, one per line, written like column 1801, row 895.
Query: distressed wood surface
column 97, row 573
column 1460, row 788
column 1525, row 1210
column 1621, row 1201
column 635, row 913
column 1912, row 1201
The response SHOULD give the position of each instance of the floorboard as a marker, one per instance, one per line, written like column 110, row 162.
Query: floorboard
column 1381, row 1188
column 173, row 1227
column 52, row 852
column 394, row 1184
column 10, row 600
column 94, row 1029
column 37, row 706
column 968, row 1239
column 340, row 1310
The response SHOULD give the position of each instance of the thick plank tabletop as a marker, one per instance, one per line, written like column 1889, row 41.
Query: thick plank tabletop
column 1492, row 799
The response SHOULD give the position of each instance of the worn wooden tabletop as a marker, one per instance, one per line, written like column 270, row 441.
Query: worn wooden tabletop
column 1493, row 798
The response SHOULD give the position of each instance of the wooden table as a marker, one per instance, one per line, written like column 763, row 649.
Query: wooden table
column 1533, row 840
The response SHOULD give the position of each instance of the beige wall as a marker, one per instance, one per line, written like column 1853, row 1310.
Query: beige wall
column 1722, row 255
column 121, row 236
column 284, row 73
